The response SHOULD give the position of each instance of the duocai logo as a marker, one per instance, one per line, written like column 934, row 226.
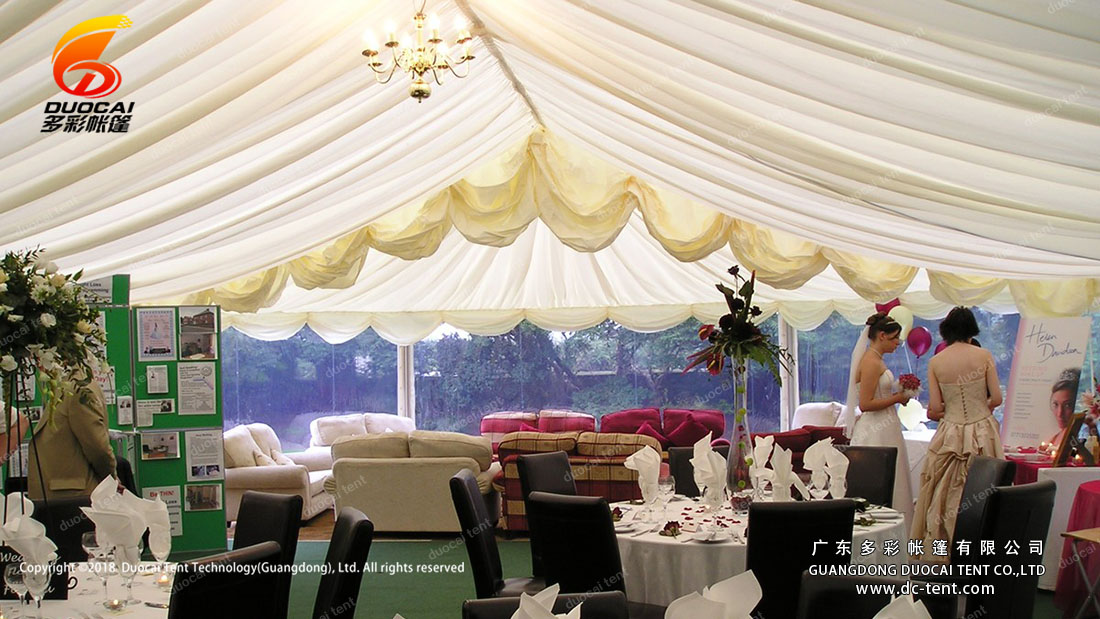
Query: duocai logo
column 77, row 58
column 80, row 49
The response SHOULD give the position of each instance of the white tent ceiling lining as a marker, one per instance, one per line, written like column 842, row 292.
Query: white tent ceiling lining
column 962, row 138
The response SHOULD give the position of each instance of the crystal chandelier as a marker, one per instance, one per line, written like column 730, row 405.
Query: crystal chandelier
column 429, row 57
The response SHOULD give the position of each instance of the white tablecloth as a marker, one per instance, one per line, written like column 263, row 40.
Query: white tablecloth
column 1067, row 479
column 85, row 601
column 659, row 569
column 916, row 446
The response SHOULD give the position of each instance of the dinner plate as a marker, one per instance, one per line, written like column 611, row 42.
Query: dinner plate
column 709, row 537
column 884, row 514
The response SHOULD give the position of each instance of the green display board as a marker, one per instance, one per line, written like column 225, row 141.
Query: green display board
column 177, row 418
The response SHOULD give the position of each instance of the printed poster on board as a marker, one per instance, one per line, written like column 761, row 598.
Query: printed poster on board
column 1045, row 378
column 156, row 333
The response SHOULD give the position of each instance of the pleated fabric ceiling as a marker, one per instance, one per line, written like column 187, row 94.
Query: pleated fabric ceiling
column 603, row 160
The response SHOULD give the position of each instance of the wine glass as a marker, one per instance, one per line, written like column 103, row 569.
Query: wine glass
column 818, row 488
column 666, row 487
column 13, row 578
column 712, row 501
column 37, row 580
column 128, row 561
column 160, row 544
column 90, row 544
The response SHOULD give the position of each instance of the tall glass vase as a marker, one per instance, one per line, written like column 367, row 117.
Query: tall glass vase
column 738, row 478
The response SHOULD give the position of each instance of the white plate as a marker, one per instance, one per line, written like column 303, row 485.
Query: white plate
column 625, row 527
column 884, row 514
column 708, row 537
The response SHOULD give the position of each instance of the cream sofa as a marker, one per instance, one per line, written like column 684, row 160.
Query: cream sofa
column 254, row 461
column 324, row 431
column 401, row 480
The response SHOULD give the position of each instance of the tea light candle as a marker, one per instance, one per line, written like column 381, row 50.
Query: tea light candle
column 163, row 580
column 1043, row 446
column 115, row 605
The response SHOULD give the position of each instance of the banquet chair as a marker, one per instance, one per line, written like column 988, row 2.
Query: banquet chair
column 544, row 472
column 781, row 545
column 605, row 605
column 835, row 597
column 199, row 589
column 478, row 533
column 982, row 476
column 338, row 592
column 1015, row 515
column 65, row 524
column 871, row 472
column 679, row 465
column 263, row 517
column 580, row 552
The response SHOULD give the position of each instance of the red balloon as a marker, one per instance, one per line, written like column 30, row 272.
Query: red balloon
column 939, row 347
column 886, row 307
column 919, row 340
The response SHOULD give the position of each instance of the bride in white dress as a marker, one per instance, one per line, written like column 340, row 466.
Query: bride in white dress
column 871, row 387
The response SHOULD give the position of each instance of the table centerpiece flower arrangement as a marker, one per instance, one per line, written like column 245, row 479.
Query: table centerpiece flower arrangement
column 739, row 338
column 46, row 328
column 671, row 529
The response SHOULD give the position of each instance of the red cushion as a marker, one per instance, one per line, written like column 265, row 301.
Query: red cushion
column 688, row 433
column 822, row 432
column 649, row 429
column 797, row 441
column 526, row 427
column 566, row 421
column 630, row 421
column 713, row 420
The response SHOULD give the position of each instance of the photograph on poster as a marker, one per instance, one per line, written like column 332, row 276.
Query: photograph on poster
column 1068, row 442
column 202, row 497
column 160, row 445
column 156, row 334
column 196, row 346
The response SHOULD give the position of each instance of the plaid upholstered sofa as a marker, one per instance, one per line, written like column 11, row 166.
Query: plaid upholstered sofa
column 597, row 461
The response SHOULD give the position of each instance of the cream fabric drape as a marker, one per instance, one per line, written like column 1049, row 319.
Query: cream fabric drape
column 849, row 152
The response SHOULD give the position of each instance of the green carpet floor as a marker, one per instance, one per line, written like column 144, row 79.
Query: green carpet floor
column 396, row 587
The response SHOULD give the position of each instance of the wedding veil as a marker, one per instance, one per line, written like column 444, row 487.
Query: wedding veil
column 851, row 402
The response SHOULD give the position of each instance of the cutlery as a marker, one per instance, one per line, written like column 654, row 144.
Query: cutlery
column 156, row 604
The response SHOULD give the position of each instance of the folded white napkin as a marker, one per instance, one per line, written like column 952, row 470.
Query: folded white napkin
column 27, row 536
column 758, row 470
column 785, row 476
column 904, row 608
column 121, row 518
column 648, row 464
column 710, row 466
column 814, row 460
column 733, row 598
column 17, row 505
column 836, row 464
column 541, row 605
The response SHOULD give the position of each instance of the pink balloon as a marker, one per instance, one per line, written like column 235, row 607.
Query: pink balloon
column 919, row 340
column 886, row 307
column 939, row 347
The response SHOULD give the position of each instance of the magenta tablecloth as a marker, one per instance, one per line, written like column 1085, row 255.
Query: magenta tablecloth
column 1070, row 590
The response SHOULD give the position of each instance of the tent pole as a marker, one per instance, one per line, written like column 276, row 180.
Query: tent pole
column 788, row 391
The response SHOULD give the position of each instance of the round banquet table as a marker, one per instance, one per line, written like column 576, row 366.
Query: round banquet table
column 658, row 569
column 85, row 600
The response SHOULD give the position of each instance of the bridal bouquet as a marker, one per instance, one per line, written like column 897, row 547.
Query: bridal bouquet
column 909, row 384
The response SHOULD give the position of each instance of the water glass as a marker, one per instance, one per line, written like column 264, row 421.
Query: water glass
column 128, row 561
column 37, row 580
column 160, row 544
column 666, row 487
column 13, row 579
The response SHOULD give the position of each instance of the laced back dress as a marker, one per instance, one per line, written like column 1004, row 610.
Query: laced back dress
column 968, row 428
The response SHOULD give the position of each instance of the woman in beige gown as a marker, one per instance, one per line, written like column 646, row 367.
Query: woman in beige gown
column 963, row 390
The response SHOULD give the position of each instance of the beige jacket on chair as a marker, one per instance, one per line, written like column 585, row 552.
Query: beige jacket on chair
column 72, row 447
